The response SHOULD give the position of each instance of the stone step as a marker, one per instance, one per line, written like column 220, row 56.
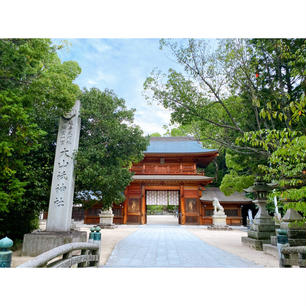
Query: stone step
column 270, row 249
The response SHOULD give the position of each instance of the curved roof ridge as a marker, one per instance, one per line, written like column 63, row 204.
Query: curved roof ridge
column 181, row 144
column 214, row 192
column 173, row 138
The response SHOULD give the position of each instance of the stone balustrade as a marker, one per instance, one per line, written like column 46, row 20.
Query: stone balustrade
column 80, row 254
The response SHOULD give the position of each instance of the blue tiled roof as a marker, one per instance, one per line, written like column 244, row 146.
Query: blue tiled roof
column 176, row 145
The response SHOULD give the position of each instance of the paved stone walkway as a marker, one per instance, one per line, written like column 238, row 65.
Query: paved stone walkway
column 170, row 246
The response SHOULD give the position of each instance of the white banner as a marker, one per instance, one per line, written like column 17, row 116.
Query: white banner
column 162, row 197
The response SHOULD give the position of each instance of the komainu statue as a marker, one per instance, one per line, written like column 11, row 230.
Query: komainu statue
column 218, row 209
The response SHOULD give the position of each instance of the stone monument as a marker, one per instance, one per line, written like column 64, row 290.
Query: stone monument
column 292, row 222
column 219, row 217
column 62, row 188
column 106, row 219
column 58, row 229
column 263, row 226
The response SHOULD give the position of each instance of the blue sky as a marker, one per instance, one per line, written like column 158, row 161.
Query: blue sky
column 123, row 65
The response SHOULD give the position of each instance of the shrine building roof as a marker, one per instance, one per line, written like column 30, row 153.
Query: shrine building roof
column 210, row 193
column 170, row 145
column 172, row 178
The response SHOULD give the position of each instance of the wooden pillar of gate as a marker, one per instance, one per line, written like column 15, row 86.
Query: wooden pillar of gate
column 143, row 205
column 125, row 207
column 182, row 203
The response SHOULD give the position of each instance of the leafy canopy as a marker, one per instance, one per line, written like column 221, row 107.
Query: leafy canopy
column 246, row 97
column 109, row 145
column 35, row 88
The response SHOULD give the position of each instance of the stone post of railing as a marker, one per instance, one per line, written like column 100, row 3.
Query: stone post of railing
column 5, row 253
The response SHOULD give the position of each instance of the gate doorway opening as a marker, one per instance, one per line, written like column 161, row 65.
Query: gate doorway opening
column 162, row 207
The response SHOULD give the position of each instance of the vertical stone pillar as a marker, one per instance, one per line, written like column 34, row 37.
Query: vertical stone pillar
column 62, row 188
column 58, row 231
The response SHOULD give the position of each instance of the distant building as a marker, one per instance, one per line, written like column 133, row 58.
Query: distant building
column 235, row 206
column 171, row 173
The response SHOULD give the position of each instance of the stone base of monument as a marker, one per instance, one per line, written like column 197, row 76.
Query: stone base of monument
column 219, row 220
column 296, row 237
column 296, row 231
column 260, row 232
column 41, row 241
column 109, row 226
column 254, row 243
column 219, row 223
column 219, row 228
column 106, row 219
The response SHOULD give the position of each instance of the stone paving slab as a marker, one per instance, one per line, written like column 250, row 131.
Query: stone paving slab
column 170, row 246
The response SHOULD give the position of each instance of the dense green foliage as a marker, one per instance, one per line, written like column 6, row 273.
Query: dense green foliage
column 160, row 209
column 35, row 88
column 109, row 144
column 156, row 134
column 238, row 97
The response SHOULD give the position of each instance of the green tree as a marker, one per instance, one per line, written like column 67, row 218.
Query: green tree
column 156, row 134
column 181, row 130
column 287, row 162
column 35, row 88
column 202, row 95
column 109, row 144
column 248, row 96
column 281, row 75
column 243, row 86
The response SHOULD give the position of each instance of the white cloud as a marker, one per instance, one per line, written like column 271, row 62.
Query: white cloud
column 149, row 127
column 99, row 45
column 91, row 82
column 123, row 65
column 106, row 77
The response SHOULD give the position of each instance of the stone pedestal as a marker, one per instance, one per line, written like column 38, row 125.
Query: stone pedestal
column 261, row 230
column 219, row 220
column 296, row 232
column 39, row 242
column 106, row 219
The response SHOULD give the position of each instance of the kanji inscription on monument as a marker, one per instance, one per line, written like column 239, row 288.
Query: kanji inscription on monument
column 62, row 188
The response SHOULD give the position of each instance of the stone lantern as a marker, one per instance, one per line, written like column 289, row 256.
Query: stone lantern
column 263, row 226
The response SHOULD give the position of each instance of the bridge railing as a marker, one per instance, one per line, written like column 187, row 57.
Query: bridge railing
column 80, row 254
column 293, row 256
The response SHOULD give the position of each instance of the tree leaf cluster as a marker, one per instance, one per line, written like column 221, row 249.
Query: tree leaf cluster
column 247, row 96
column 109, row 144
column 35, row 88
